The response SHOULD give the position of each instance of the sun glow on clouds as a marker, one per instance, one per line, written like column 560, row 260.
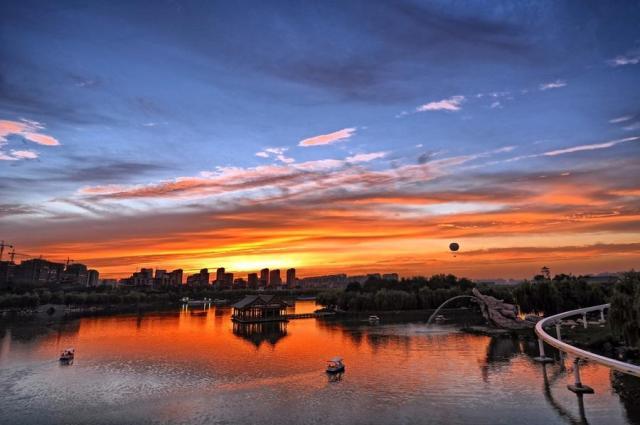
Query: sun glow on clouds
column 328, row 139
column 338, row 215
column 24, row 154
column 27, row 129
column 30, row 130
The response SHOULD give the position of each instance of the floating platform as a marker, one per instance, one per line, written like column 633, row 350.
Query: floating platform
column 580, row 389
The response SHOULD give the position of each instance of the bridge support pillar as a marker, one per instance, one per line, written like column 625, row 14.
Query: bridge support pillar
column 578, row 387
column 542, row 358
column 584, row 320
column 558, row 335
column 602, row 315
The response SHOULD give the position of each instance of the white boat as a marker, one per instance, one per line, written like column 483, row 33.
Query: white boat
column 374, row 319
column 335, row 365
column 67, row 355
column 440, row 318
column 204, row 301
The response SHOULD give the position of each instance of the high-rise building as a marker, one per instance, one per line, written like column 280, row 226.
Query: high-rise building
column 38, row 272
column 111, row 283
column 93, row 278
column 199, row 279
column 175, row 277
column 76, row 274
column 162, row 278
column 328, row 281
column 228, row 280
column 264, row 278
column 291, row 278
column 390, row 276
column 142, row 278
column 274, row 279
column 252, row 280
column 220, row 275
column 7, row 269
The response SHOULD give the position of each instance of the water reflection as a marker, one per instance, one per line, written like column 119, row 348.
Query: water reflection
column 628, row 389
column 335, row 377
column 258, row 333
column 562, row 412
column 181, row 367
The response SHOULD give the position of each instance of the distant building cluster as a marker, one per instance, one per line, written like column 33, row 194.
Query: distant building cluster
column 340, row 281
column 40, row 272
column 146, row 278
column 265, row 279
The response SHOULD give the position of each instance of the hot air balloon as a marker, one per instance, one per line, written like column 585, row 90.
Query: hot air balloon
column 453, row 246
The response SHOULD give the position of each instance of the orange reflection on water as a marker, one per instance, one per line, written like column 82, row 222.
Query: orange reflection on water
column 196, row 360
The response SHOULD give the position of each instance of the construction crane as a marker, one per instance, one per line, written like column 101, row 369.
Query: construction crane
column 4, row 245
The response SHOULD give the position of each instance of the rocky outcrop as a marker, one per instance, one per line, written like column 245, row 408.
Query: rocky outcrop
column 500, row 314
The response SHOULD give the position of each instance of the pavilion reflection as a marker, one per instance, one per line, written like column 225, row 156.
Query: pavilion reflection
column 258, row 333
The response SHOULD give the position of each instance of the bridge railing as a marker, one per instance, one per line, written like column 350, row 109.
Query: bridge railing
column 578, row 352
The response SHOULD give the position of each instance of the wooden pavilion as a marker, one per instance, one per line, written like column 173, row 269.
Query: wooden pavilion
column 259, row 308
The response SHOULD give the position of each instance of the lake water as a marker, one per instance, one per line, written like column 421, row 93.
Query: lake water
column 185, row 367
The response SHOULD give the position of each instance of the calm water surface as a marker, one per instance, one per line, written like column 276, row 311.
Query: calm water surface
column 184, row 367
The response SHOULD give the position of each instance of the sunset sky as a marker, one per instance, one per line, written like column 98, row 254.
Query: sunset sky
column 354, row 136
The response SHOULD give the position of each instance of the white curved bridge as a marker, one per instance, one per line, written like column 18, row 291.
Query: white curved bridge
column 579, row 354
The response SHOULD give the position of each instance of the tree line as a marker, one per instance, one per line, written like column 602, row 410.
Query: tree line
column 548, row 296
column 543, row 295
column 33, row 297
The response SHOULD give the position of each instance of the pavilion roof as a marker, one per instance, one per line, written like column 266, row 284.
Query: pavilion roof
column 258, row 300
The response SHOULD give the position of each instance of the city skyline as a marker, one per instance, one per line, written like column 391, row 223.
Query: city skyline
column 264, row 276
column 290, row 136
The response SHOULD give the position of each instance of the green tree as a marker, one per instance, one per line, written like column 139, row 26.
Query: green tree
column 624, row 314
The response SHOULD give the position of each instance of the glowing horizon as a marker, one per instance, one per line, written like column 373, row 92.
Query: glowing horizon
column 204, row 137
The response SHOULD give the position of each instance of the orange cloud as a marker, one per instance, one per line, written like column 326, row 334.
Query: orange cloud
column 328, row 216
column 30, row 130
column 328, row 139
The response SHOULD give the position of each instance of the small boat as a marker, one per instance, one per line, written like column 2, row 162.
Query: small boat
column 196, row 302
column 440, row 318
column 374, row 319
column 335, row 365
column 67, row 355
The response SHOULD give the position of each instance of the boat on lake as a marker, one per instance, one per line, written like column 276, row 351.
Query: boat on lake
column 335, row 365
column 187, row 301
column 374, row 320
column 440, row 318
column 67, row 355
